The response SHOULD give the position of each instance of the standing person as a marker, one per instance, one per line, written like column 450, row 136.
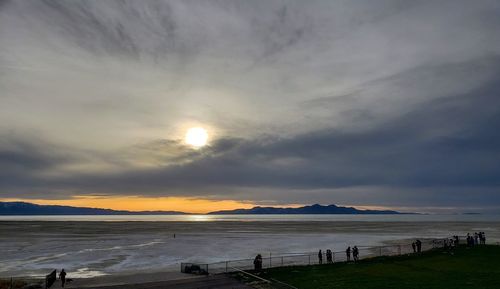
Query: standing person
column 419, row 246
column 328, row 256
column 414, row 246
column 355, row 253
column 62, row 276
column 320, row 257
column 348, row 253
column 257, row 262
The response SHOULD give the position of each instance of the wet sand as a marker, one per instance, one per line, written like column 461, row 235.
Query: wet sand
column 88, row 249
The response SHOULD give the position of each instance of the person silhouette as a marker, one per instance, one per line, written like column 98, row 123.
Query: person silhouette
column 348, row 253
column 62, row 276
column 257, row 262
column 414, row 246
column 329, row 256
column 320, row 257
column 419, row 246
column 355, row 253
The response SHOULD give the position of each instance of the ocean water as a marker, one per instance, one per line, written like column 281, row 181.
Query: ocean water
column 88, row 246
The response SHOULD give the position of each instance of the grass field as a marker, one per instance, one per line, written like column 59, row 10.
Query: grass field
column 477, row 268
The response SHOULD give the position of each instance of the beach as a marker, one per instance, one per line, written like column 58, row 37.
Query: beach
column 88, row 247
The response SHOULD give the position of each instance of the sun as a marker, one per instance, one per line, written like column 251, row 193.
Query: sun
column 196, row 137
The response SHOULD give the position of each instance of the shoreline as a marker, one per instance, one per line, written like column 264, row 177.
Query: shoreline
column 118, row 249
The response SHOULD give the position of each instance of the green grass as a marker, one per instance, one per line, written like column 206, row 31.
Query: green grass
column 477, row 268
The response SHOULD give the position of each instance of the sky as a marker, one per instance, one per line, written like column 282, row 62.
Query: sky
column 377, row 104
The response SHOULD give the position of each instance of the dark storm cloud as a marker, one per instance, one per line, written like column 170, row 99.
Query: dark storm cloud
column 21, row 161
column 408, row 151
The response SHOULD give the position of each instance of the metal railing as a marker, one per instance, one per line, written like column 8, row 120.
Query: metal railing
column 312, row 258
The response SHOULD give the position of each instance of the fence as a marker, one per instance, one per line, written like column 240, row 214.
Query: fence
column 312, row 258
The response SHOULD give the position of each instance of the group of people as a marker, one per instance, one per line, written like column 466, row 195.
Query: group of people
column 329, row 256
column 355, row 253
column 476, row 239
column 417, row 246
column 472, row 240
column 257, row 261
column 450, row 244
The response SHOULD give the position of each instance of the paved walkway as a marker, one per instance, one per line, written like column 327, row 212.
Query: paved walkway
column 204, row 282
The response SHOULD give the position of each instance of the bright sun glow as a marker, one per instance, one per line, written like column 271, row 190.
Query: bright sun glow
column 197, row 137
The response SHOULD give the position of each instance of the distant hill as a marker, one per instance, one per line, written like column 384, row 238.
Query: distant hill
column 313, row 209
column 23, row 208
column 27, row 209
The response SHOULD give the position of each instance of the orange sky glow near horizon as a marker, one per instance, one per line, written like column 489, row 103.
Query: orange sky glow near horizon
column 135, row 203
column 181, row 204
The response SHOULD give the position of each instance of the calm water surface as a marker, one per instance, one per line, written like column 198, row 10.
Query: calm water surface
column 255, row 218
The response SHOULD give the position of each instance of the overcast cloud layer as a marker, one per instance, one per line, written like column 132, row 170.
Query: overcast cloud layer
column 386, row 103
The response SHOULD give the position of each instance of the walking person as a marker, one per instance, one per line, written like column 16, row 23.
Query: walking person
column 62, row 276
column 414, row 246
column 320, row 257
column 348, row 253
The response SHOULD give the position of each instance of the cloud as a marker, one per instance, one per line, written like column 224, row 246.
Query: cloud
column 380, row 103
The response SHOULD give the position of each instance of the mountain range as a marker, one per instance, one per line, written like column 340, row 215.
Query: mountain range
column 23, row 208
column 313, row 209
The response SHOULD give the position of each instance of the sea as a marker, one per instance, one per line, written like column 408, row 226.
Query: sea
column 90, row 246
